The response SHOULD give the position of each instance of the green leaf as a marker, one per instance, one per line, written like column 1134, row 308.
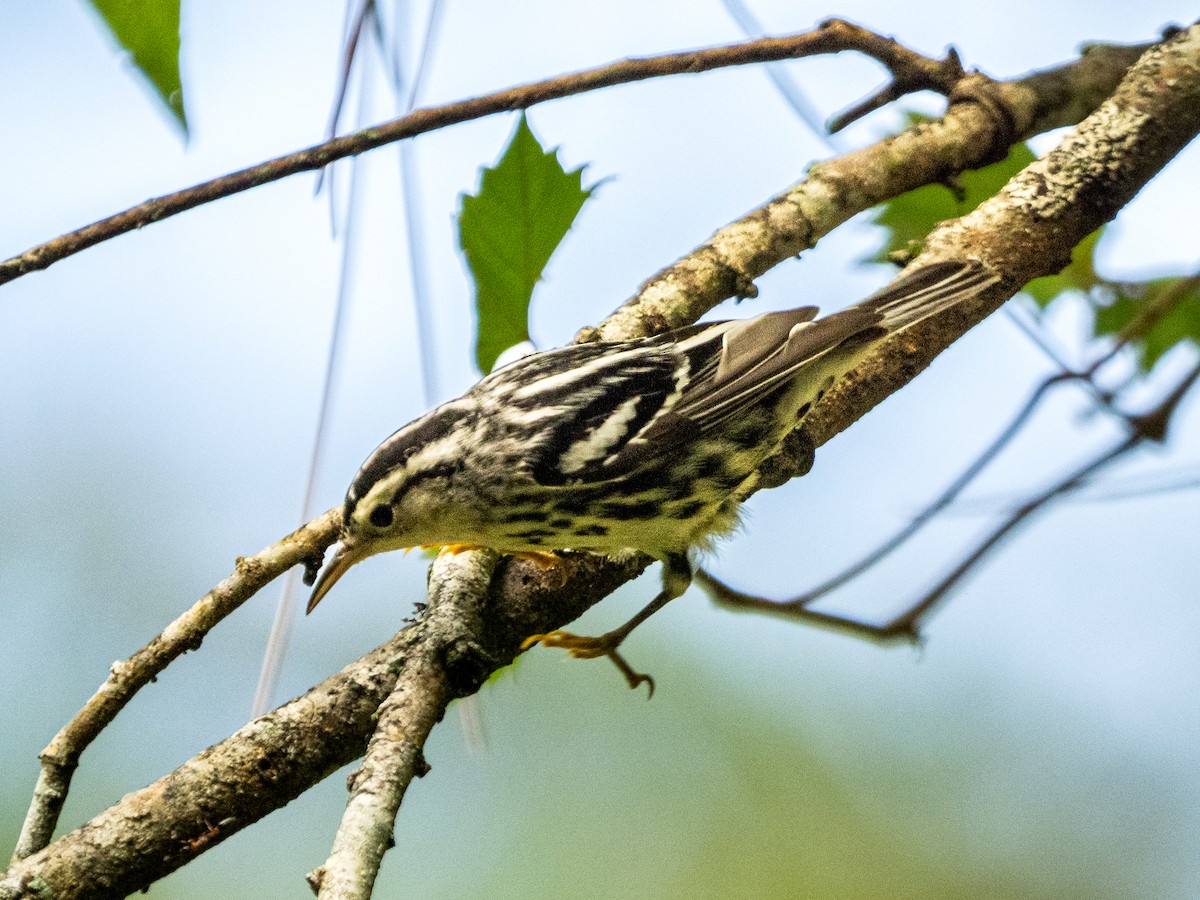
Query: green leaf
column 524, row 208
column 149, row 30
column 909, row 218
column 1181, row 323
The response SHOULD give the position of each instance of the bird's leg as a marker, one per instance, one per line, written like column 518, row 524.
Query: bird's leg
column 903, row 627
column 677, row 575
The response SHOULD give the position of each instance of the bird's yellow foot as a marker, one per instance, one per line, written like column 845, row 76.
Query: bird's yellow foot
column 582, row 647
column 451, row 549
column 541, row 559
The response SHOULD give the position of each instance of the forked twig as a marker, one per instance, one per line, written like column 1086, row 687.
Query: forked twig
column 395, row 753
column 906, row 625
column 1137, row 328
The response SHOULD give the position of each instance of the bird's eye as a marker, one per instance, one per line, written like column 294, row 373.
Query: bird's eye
column 381, row 516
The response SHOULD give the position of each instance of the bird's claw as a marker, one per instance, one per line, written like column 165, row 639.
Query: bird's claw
column 581, row 647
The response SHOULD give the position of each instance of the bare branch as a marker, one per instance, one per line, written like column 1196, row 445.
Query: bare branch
column 1149, row 426
column 730, row 598
column 831, row 37
column 906, row 625
column 275, row 758
column 909, row 622
column 909, row 75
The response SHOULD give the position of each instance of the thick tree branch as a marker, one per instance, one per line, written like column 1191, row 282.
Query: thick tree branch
column 984, row 119
column 274, row 759
column 1030, row 227
column 1027, row 231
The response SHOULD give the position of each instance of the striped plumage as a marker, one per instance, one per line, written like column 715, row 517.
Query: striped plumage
column 645, row 445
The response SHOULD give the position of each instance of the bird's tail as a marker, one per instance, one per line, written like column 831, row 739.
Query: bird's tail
column 928, row 291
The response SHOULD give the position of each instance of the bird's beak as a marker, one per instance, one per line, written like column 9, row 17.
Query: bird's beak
column 344, row 557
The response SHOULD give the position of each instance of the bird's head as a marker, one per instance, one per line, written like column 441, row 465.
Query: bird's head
column 403, row 496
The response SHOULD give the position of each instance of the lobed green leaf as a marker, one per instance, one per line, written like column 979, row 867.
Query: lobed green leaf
column 525, row 205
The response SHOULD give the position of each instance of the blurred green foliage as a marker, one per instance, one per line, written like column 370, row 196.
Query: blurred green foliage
column 908, row 219
column 1180, row 324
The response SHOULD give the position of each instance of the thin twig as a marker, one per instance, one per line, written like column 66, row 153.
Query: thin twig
column 1136, row 329
column 948, row 496
column 61, row 757
column 793, row 95
column 1112, row 491
column 909, row 622
column 907, row 625
column 831, row 37
column 1149, row 426
column 908, row 77
column 1037, row 336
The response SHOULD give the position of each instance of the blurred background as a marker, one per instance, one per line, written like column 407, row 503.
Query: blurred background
column 159, row 395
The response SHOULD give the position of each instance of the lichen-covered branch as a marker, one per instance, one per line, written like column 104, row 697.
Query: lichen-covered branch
column 1030, row 227
column 275, row 758
column 395, row 752
column 984, row 120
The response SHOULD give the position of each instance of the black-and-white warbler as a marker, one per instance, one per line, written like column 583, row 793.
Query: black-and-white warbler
column 647, row 445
